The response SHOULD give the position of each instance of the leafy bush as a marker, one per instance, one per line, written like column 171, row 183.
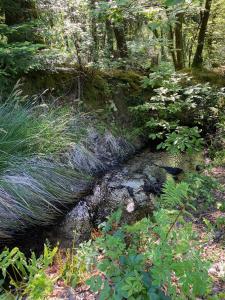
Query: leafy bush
column 202, row 188
column 19, row 58
column 159, row 76
column 152, row 259
column 179, row 111
column 183, row 139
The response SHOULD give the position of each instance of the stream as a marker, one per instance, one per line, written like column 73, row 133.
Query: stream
column 133, row 186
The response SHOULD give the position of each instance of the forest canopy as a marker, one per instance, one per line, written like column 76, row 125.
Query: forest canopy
column 120, row 33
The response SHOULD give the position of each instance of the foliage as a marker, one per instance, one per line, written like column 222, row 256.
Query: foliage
column 160, row 76
column 177, row 114
column 74, row 268
column 27, row 276
column 174, row 195
column 183, row 139
column 216, row 148
column 96, row 32
column 140, row 259
column 155, row 258
column 202, row 188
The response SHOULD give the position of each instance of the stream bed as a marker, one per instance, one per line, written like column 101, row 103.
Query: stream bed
column 132, row 186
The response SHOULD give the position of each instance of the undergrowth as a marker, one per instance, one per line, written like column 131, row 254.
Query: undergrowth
column 155, row 258
column 158, row 257
column 47, row 160
column 179, row 113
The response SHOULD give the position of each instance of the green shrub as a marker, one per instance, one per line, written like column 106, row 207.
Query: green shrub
column 177, row 111
column 183, row 139
column 159, row 76
column 154, row 258
column 139, row 260
column 202, row 187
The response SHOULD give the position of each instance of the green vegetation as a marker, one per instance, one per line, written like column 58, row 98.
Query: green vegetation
column 32, row 130
column 158, row 257
column 29, row 275
column 110, row 77
column 178, row 111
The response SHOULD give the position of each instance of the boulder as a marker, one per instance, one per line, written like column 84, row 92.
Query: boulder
column 132, row 187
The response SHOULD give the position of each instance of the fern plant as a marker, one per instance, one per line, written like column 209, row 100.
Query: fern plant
column 174, row 195
column 140, row 259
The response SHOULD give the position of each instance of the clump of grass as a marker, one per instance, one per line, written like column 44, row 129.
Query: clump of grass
column 36, row 193
column 47, row 160
column 24, row 133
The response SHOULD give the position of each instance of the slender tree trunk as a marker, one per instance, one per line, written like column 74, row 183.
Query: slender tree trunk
column 94, row 32
column 179, row 42
column 198, row 59
column 171, row 45
column 163, row 50
column 121, row 40
column 109, row 34
column 210, row 35
column 155, row 59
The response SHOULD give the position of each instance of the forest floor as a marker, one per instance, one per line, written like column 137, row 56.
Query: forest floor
column 211, row 236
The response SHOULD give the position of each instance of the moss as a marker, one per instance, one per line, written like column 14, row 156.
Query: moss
column 102, row 87
column 130, row 78
column 204, row 75
column 96, row 90
column 99, row 89
column 58, row 80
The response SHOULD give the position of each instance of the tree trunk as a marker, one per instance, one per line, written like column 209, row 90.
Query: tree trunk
column 163, row 50
column 19, row 11
column 94, row 32
column 109, row 34
column 171, row 45
column 179, row 42
column 121, row 40
column 198, row 59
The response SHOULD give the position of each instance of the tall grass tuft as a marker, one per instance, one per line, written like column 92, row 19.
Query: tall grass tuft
column 35, row 194
column 48, row 159
column 25, row 131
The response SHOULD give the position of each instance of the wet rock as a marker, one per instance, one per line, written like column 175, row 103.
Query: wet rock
column 132, row 187
column 76, row 226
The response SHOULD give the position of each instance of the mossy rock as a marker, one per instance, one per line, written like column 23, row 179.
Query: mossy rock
column 100, row 87
column 96, row 89
column 130, row 78
column 56, row 81
column 204, row 75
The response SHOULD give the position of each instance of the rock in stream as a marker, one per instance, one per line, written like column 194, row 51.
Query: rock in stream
column 131, row 187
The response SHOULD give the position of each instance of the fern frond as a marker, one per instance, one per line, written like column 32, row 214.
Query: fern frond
column 174, row 193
